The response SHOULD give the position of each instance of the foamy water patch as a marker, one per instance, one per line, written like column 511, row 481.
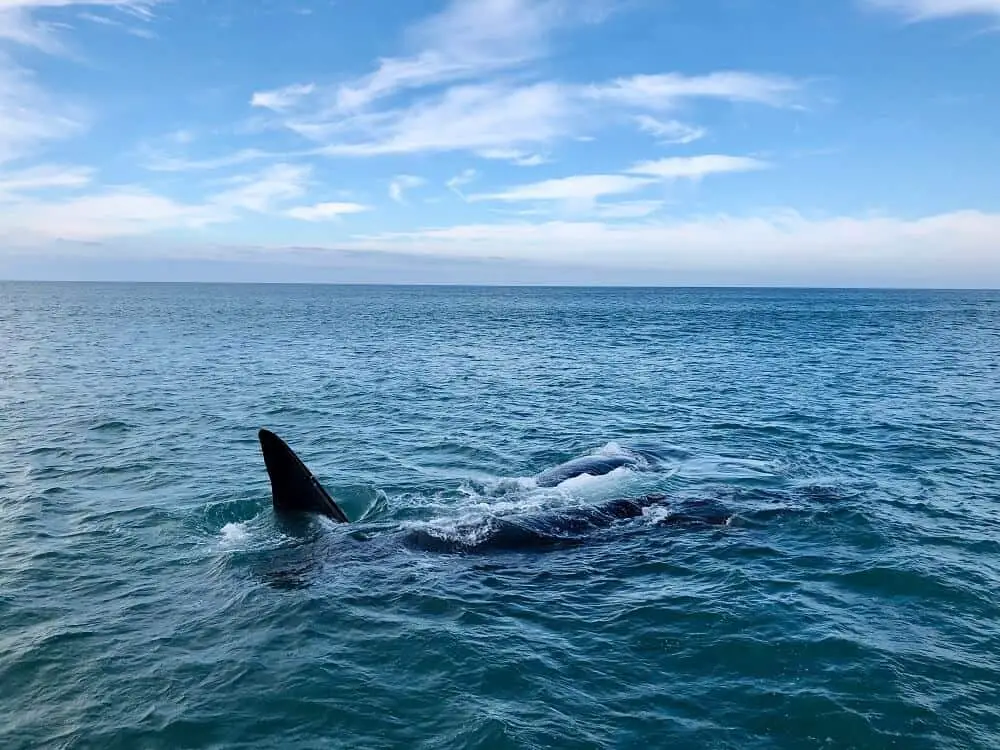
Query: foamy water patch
column 655, row 514
column 590, row 482
column 463, row 531
column 234, row 535
column 612, row 448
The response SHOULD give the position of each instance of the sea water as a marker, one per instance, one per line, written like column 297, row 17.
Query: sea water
column 150, row 599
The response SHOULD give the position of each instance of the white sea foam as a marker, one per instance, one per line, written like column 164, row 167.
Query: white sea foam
column 592, row 481
column 612, row 449
column 657, row 513
column 234, row 534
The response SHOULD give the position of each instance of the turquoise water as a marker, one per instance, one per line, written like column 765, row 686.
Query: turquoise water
column 148, row 598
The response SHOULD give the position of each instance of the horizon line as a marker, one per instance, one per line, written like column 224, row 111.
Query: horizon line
column 504, row 285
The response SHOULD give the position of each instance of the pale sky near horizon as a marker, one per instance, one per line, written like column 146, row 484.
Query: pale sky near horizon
column 846, row 142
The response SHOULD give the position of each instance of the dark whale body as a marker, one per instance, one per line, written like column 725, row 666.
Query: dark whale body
column 296, row 492
column 567, row 527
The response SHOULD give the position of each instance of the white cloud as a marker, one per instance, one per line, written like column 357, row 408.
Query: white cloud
column 518, row 158
column 465, row 41
column 158, row 162
column 18, row 23
column 947, row 244
column 141, row 8
column 42, row 177
column 282, row 99
column 326, row 211
column 29, row 117
column 670, row 131
column 133, row 210
column 464, row 118
column 628, row 209
column 263, row 191
column 471, row 90
column 113, row 213
column 667, row 90
column 921, row 10
column 468, row 40
column 461, row 180
column 116, row 24
column 581, row 190
column 506, row 121
column 696, row 167
column 401, row 183
column 530, row 160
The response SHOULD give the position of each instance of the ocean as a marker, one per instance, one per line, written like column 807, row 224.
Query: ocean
column 150, row 599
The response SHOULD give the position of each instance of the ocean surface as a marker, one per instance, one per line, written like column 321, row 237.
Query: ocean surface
column 150, row 599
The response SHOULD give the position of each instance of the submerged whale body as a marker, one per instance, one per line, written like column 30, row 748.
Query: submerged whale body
column 295, row 491
column 566, row 528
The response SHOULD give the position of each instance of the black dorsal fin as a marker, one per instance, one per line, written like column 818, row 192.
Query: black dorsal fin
column 293, row 487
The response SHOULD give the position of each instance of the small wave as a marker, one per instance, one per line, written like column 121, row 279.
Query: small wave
column 47, row 450
column 729, row 469
column 112, row 426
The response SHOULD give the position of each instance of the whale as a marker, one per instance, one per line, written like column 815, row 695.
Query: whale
column 296, row 492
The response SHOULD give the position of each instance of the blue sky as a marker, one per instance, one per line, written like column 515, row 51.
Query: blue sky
column 843, row 142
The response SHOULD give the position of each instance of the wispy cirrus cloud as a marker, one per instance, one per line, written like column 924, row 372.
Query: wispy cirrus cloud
column 14, row 184
column 581, row 192
column 460, row 94
column 262, row 191
column 29, row 115
column 925, row 10
column 476, row 118
column 284, row 98
column 456, row 183
column 157, row 161
column 107, row 213
column 19, row 22
column 578, row 189
column 669, row 131
column 465, row 41
column 104, row 214
column 697, row 167
column 518, row 158
column 114, row 23
column 628, row 209
column 509, row 120
column 667, row 90
column 399, row 184
column 326, row 211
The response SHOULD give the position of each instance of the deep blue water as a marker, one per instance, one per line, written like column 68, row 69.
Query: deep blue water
column 149, row 599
